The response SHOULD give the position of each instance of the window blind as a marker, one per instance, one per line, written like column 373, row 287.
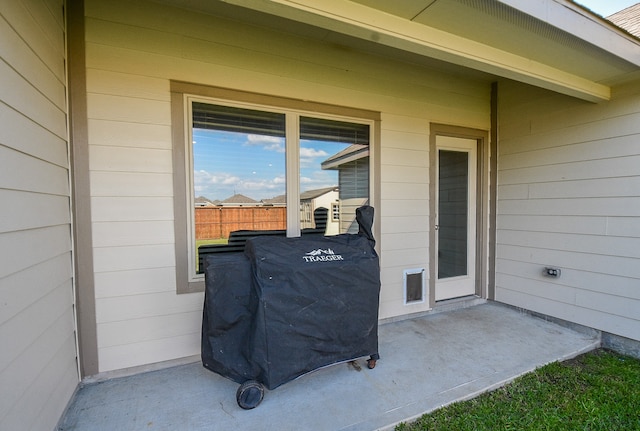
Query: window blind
column 232, row 119
column 319, row 129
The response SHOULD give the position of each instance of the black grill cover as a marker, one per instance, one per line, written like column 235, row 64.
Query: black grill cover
column 310, row 302
column 229, row 308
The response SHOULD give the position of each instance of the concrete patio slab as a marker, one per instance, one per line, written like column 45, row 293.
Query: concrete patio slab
column 425, row 363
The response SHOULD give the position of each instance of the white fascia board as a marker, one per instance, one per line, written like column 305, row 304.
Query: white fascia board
column 587, row 26
column 359, row 21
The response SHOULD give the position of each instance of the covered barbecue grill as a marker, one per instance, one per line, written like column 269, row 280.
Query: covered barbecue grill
column 287, row 306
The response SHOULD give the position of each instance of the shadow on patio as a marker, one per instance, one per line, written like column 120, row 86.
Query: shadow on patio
column 425, row 363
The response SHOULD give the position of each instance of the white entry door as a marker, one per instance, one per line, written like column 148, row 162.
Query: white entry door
column 455, row 217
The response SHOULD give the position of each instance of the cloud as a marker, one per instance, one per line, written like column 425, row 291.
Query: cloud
column 310, row 153
column 306, row 180
column 269, row 143
column 260, row 185
column 204, row 181
column 205, row 177
column 309, row 156
column 221, row 185
column 318, row 180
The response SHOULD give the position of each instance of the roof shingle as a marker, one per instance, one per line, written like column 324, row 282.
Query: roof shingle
column 628, row 19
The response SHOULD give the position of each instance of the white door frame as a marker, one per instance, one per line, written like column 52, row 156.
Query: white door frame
column 481, row 260
column 463, row 284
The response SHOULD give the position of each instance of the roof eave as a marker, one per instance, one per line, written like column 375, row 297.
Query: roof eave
column 583, row 23
column 367, row 23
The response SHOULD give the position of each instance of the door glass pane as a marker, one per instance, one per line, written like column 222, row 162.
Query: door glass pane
column 334, row 174
column 238, row 172
column 453, row 192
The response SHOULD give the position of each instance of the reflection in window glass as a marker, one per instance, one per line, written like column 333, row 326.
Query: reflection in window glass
column 334, row 173
column 238, row 172
column 335, row 211
column 453, row 195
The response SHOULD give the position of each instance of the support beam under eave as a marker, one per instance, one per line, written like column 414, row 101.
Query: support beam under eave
column 356, row 20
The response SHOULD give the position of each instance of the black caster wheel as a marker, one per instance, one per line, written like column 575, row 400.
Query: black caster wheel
column 250, row 394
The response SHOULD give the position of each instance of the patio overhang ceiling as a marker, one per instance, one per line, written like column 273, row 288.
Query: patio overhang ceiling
column 553, row 44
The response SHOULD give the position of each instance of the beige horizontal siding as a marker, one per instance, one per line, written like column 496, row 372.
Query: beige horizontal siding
column 124, row 356
column 591, row 150
column 43, row 277
column 121, row 308
column 133, row 51
column 129, row 109
column 404, row 211
column 605, row 321
column 410, row 223
column 26, row 136
column 19, row 251
column 555, row 224
column 120, row 159
column 135, row 282
column 40, row 26
column 132, row 233
column 34, row 70
column 38, row 369
column 618, row 285
column 406, row 240
column 25, row 210
column 569, row 196
column 127, row 85
column 44, row 388
column 402, row 191
column 131, row 184
column 125, row 258
column 623, row 226
column 131, row 208
column 406, row 174
column 27, row 99
column 25, row 172
column 584, row 262
column 120, row 332
column 37, row 325
column 576, row 170
column 126, row 134
column 580, row 243
column 404, row 208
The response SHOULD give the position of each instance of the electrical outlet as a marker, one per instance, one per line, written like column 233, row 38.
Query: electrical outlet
column 552, row 272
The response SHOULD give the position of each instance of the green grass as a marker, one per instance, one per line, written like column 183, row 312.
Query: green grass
column 599, row 390
column 200, row 242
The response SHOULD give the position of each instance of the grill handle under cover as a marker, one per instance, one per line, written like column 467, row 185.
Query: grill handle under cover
column 364, row 217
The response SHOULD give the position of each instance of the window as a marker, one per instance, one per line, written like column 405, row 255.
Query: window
column 335, row 212
column 238, row 169
column 257, row 167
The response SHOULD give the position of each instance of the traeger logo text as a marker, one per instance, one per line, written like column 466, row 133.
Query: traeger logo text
column 321, row 255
